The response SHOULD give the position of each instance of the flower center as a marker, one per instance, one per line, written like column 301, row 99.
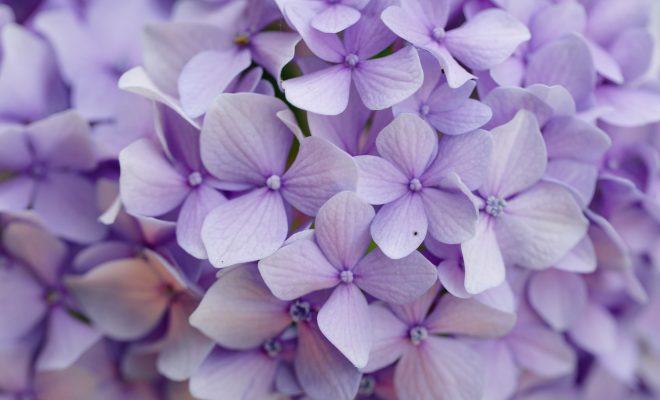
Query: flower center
column 195, row 179
column 367, row 386
column 438, row 33
column 53, row 296
column 424, row 110
column 242, row 39
column 346, row 276
column 418, row 334
column 272, row 347
column 274, row 182
column 351, row 60
column 415, row 185
column 495, row 206
column 300, row 311
column 38, row 170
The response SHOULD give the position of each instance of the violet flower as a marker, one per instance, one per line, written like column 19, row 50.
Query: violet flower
column 332, row 256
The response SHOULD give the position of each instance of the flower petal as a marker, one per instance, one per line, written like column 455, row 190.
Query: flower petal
column 243, row 140
column 22, row 303
column 239, row 312
column 389, row 338
column 487, row 39
column 439, row 369
column 559, row 297
column 335, row 18
column 297, row 269
column 379, row 182
column 395, row 281
column 384, row 82
column 273, row 50
column 247, row 228
column 149, row 185
column 400, row 227
column 542, row 351
column 519, row 157
column 344, row 319
column 124, row 298
column 207, row 75
column 595, row 330
column 484, row 267
column 409, row 143
column 342, row 229
column 541, row 226
column 468, row 317
column 323, row 372
column 323, row 92
column 451, row 214
column 320, row 171
column 195, row 208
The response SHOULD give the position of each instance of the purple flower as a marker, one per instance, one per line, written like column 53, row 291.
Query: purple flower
column 330, row 16
column 521, row 221
column 380, row 82
column 484, row 41
column 423, row 186
column 46, row 161
column 241, row 314
column 451, row 111
column 430, row 366
column 332, row 256
column 154, row 182
column 245, row 142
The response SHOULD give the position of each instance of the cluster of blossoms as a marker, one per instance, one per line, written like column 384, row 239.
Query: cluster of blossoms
column 329, row 200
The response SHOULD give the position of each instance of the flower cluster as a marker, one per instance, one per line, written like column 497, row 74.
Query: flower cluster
column 329, row 200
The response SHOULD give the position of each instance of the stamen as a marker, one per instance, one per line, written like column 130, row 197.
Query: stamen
column 418, row 334
column 438, row 33
column 352, row 60
column 415, row 185
column 242, row 39
column 367, row 386
column 495, row 206
column 424, row 110
column 300, row 311
column 272, row 347
column 274, row 182
column 346, row 276
column 195, row 179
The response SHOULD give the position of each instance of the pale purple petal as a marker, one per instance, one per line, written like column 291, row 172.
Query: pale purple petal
column 297, row 269
column 400, row 227
column 452, row 278
column 273, row 50
column 395, row 281
column 239, row 312
column 488, row 39
column 344, row 319
column 519, row 157
column 149, row 184
column 540, row 226
column 199, row 203
column 342, row 229
column 542, row 351
column 322, row 370
column 124, row 299
column 22, row 303
column 484, row 267
column 66, row 204
column 409, row 143
column 379, row 182
column 243, row 140
column 207, row 75
column 247, row 228
column 335, row 18
column 323, row 92
column 440, row 368
column 320, row 171
column 595, row 330
column 67, row 339
column 383, row 82
column 414, row 20
column 389, row 337
column 468, row 317
column 451, row 214
column 581, row 259
column 17, row 193
column 468, row 156
column 559, row 297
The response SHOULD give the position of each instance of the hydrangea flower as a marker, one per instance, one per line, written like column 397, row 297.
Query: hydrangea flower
column 419, row 181
column 336, row 250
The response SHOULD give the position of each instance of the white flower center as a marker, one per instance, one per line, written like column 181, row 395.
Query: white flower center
column 495, row 206
column 346, row 276
column 195, row 179
column 274, row 182
column 415, row 185
column 352, row 60
column 418, row 334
